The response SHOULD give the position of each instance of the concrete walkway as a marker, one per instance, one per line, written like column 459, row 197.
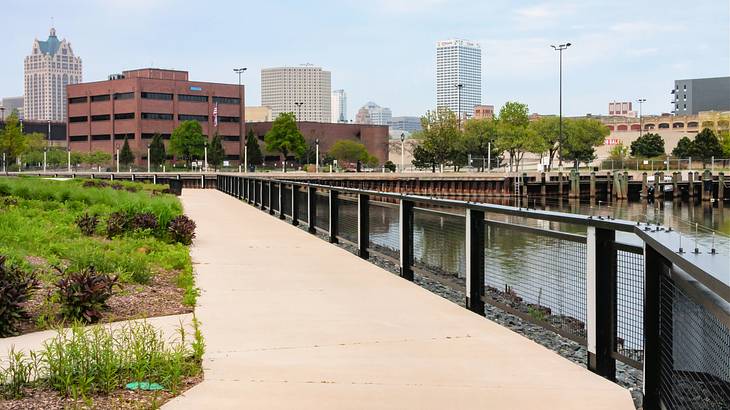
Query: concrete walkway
column 293, row 322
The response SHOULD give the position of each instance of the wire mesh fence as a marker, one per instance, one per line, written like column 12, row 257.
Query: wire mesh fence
column 694, row 353
column 322, row 203
column 630, row 307
column 347, row 217
column 439, row 241
column 538, row 275
column 384, row 227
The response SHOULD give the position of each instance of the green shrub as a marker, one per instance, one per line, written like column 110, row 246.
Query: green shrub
column 87, row 223
column 83, row 295
column 182, row 229
column 117, row 223
column 16, row 288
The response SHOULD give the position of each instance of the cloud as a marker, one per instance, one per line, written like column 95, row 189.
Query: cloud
column 645, row 27
column 408, row 6
column 542, row 15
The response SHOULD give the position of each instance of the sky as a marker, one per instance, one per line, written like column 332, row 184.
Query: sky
column 385, row 50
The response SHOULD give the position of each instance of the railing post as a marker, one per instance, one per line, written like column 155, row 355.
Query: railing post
column 281, row 201
column 406, row 239
column 271, row 197
column 654, row 267
column 475, row 260
column 294, row 205
column 251, row 191
column 261, row 195
column 363, row 225
column 312, row 209
column 334, row 223
column 601, row 301
column 241, row 187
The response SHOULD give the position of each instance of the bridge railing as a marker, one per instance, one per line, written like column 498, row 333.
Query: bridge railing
column 623, row 290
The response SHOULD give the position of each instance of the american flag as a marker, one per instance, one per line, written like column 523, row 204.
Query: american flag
column 215, row 115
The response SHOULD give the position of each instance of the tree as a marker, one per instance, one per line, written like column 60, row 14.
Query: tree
column 253, row 149
column 706, row 146
column 347, row 151
column 284, row 137
column 580, row 139
column 126, row 156
column 12, row 141
column 479, row 134
column 514, row 134
column 97, row 158
column 548, row 129
column 187, row 141
column 157, row 150
column 308, row 156
column 684, row 149
column 216, row 153
column 422, row 158
column 440, row 137
column 724, row 137
column 648, row 145
column 619, row 152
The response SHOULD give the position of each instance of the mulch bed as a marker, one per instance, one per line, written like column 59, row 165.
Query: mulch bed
column 48, row 399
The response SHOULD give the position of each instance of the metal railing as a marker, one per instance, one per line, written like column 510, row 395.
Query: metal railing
column 622, row 289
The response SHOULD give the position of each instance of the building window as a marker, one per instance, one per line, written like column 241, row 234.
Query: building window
column 190, row 117
column 97, row 98
column 78, row 119
column 76, row 100
column 124, row 116
column 100, row 117
column 120, row 137
column 226, row 100
column 192, row 98
column 233, row 157
column 229, row 119
column 101, row 137
column 123, row 96
column 77, row 138
column 232, row 138
column 157, row 96
column 147, row 136
column 156, row 116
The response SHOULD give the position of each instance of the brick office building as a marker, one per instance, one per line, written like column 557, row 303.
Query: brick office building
column 139, row 103
column 374, row 137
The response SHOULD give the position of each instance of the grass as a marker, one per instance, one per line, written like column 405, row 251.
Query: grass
column 85, row 361
column 37, row 222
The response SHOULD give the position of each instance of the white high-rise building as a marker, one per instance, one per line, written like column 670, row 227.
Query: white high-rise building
column 50, row 67
column 458, row 62
column 339, row 106
column 305, row 91
column 374, row 114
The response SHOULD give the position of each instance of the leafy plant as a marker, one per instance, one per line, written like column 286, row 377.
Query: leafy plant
column 87, row 223
column 182, row 229
column 83, row 295
column 16, row 288
column 145, row 220
column 116, row 224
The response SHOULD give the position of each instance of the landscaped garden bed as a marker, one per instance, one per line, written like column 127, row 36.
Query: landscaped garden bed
column 80, row 252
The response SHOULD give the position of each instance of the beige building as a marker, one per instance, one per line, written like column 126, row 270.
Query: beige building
column 304, row 90
column 258, row 114
column 483, row 111
column 49, row 68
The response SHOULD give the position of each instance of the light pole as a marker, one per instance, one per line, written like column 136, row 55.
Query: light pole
column 205, row 157
column 559, row 48
column 49, row 132
column 117, row 147
column 240, row 71
column 402, row 150
column 316, row 167
column 458, row 93
column 68, row 157
column 148, row 158
column 4, row 169
column 641, row 102
column 45, row 158
column 2, row 111
column 299, row 110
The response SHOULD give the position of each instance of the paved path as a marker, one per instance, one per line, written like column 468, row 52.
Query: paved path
column 293, row 322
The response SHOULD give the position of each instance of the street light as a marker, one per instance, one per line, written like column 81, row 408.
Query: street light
column 45, row 157
column 316, row 167
column 148, row 158
column 458, row 92
column 641, row 102
column 117, row 147
column 240, row 71
column 402, row 150
column 559, row 48
column 299, row 110
column 205, row 157
column 68, row 156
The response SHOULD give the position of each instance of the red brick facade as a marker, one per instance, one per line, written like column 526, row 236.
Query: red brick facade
column 149, row 101
column 374, row 137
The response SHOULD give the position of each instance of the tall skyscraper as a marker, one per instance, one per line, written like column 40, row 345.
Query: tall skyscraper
column 458, row 62
column 374, row 114
column 339, row 106
column 48, row 69
column 305, row 91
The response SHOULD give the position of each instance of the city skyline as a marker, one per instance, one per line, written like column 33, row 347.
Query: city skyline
column 614, row 55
